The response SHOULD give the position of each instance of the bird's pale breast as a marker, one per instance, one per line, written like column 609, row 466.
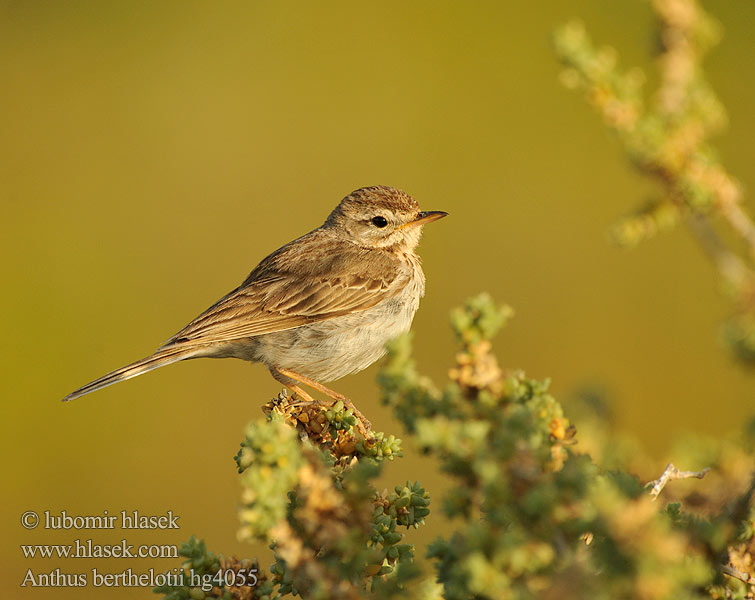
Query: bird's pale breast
column 330, row 349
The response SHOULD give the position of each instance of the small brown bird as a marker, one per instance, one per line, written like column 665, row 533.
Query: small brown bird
column 318, row 308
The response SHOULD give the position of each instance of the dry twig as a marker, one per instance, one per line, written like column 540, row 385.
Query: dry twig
column 671, row 473
column 736, row 574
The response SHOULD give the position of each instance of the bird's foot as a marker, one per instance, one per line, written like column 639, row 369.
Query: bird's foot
column 363, row 425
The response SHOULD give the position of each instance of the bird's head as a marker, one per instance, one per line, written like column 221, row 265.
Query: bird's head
column 381, row 217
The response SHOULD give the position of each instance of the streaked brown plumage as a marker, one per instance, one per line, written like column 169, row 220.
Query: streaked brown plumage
column 318, row 308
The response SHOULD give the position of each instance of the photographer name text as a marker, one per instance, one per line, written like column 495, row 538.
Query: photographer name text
column 123, row 520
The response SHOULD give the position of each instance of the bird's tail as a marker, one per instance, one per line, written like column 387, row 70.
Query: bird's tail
column 159, row 359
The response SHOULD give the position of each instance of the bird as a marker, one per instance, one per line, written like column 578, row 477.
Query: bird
column 320, row 307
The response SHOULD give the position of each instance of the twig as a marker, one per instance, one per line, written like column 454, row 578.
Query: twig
column 671, row 473
column 740, row 222
column 731, row 267
column 732, row 572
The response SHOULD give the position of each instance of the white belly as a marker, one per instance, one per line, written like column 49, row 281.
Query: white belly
column 330, row 349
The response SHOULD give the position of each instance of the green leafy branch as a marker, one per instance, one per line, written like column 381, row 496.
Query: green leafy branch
column 529, row 513
column 666, row 136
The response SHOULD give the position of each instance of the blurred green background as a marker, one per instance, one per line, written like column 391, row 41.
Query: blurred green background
column 154, row 152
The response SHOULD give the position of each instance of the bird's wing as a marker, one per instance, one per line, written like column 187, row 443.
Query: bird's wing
column 304, row 282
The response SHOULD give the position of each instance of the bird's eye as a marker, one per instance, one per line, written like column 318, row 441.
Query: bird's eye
column 379, row 221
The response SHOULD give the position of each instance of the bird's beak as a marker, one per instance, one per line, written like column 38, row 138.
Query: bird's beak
column 425, row 217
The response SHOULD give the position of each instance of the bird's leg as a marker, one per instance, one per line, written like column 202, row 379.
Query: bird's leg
column 302, row 394
column 305, row 396
column 364, row 425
